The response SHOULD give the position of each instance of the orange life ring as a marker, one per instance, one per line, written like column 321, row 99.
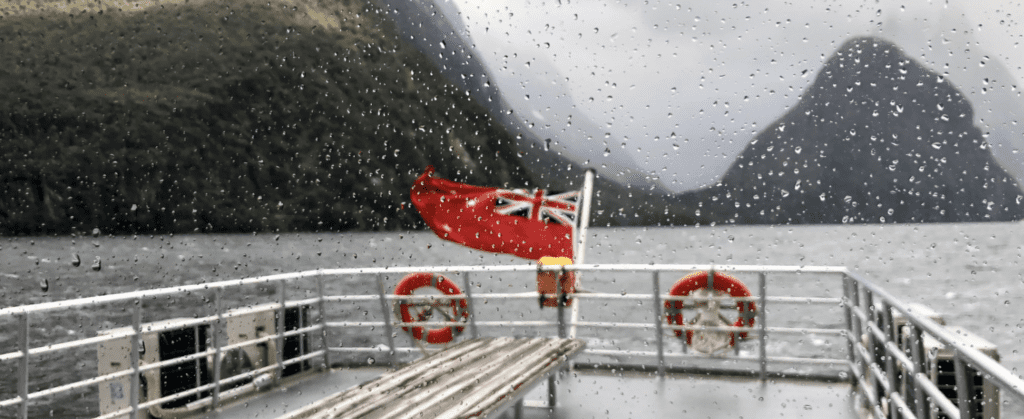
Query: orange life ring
column 723, row 283
column 459, row 310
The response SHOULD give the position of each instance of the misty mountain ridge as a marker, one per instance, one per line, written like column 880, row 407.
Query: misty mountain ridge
column 265, row 117
column 877, row 138
column 845, row 177
column 548, row 140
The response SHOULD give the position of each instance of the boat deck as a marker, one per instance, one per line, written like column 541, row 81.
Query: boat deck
column 603, row 394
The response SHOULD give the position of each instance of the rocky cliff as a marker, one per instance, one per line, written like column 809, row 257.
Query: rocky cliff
column 876, row 139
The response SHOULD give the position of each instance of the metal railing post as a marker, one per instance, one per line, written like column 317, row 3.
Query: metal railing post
column 23, row 365
column 711, row 284
column 559, row 303
column 136, row 379
column 917, row 357
column 848, row 311
column 855, row 302
column 964, row 387
column 323, row 321
column 745, row 317
column 217, row 354
column 387, row 320
column 762, row 336
column 559, row 299
column 711, row 279
column 196, row 349
column 301, row 314
column 659, row 333
column 279, row 337
column 890, row 363
column 469, row 306
column 872, row 313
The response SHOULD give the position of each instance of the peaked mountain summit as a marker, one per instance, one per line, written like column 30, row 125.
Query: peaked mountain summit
column 877, row 138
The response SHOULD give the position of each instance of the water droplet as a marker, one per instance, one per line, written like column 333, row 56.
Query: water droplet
column 44, row 285
column 97, row 264
column 75, row 260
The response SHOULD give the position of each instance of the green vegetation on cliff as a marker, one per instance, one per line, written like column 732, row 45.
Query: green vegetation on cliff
column 238, row 116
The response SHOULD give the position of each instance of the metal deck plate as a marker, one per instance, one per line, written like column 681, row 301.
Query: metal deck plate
column 278, row 401
column 596, row 394
column 593, row 394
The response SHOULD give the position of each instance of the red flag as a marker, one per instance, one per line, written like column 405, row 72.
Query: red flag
column 514, row 221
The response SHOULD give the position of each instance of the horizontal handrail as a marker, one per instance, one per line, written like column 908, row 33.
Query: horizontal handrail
column 587, row 296
column 184, row 322
column 879, row 374
column 266, row 279
column 611, row 325
column 164, row 363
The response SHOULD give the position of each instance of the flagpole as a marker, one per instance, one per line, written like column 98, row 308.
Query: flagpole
column 581, row 242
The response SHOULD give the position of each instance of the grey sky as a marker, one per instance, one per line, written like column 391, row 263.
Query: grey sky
column 682, row 87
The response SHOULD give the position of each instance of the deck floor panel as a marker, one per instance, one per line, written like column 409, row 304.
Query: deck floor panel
column 293, row 396
column 597, row 394
column 594, row 394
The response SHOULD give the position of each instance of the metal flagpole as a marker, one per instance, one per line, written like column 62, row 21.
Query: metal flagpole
column 581, row 242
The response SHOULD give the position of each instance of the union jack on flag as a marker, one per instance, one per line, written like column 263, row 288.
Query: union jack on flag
column 518, row 222
column 538, row 205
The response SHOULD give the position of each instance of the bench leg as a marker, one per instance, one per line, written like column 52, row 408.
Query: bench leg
column 552, row 390
column 518, row 411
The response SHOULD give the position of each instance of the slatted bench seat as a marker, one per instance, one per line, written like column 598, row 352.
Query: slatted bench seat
column 476, row 378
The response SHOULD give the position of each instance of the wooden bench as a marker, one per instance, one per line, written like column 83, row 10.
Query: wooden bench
column 475, row 378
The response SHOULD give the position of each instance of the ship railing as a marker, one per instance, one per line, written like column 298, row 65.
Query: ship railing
column 889, row 373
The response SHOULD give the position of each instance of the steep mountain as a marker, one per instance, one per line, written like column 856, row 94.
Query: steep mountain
column 876, row 138
column 553, row 137
column 227, row 116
